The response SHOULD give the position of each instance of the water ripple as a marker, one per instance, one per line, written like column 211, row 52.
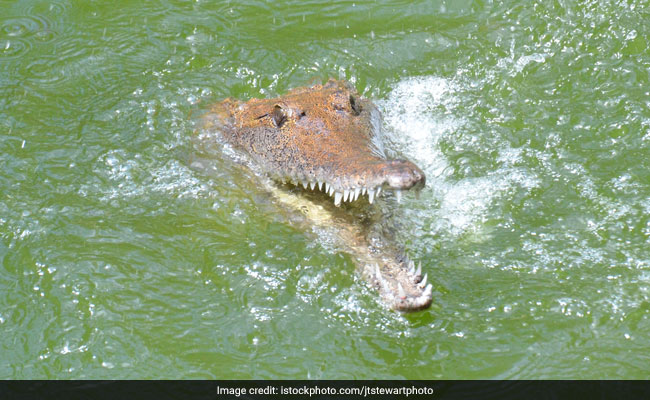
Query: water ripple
column 19, row 26
column 37, row 26
column 54, row 8
column 18, row 33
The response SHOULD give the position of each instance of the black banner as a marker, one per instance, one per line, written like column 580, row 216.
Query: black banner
column 349, row 390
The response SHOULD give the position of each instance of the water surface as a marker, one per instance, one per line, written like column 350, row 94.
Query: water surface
column 120, row 260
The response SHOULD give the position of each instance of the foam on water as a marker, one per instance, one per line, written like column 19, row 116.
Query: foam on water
column 422, row 112
column 410, row 111
column 133, row 178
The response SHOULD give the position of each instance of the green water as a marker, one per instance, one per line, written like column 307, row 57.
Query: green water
column 120, row 260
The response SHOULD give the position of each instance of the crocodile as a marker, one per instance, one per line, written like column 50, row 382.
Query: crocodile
column 324, row 140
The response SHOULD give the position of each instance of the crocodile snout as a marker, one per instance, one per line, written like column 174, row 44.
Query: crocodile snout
column 403, row 175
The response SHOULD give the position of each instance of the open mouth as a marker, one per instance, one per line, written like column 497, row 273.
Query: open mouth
column 349, row 195
column 344, row 195
column 395, row 175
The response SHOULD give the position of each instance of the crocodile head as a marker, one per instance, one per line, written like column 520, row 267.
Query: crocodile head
column 326, row 137
column 323, row 137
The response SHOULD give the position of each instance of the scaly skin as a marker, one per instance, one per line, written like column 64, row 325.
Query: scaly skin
column 326, row 137
column 319, row 136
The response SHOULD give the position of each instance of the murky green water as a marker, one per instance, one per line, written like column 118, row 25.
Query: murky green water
column 118, row 260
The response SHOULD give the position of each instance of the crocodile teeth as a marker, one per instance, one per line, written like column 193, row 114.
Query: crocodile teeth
column 398, row 195
column 402, row 292
column 423, row 283
column 327, row 187
column 331, row 191
column 337, row 198
column 378, row 190
column 364, row 190
column 385, row 285
column 427, row 291
column 371, row 195
column 357, row 192
column 312, row 185
column 320, row 185
column 419, row 271
column 304, row 184
column 411, row 267
column 346, row 195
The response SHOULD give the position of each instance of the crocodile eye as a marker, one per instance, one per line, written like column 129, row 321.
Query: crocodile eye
column 356, row 107
column 279, row 116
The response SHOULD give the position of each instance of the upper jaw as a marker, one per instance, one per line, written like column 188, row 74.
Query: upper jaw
column 348, row 193
column 394, row 175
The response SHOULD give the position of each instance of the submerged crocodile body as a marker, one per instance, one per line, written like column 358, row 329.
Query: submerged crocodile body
column 325, row 138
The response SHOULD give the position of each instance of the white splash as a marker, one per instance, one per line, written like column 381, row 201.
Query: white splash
column 421, row 113
column 411, row 113
column 133, row 176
